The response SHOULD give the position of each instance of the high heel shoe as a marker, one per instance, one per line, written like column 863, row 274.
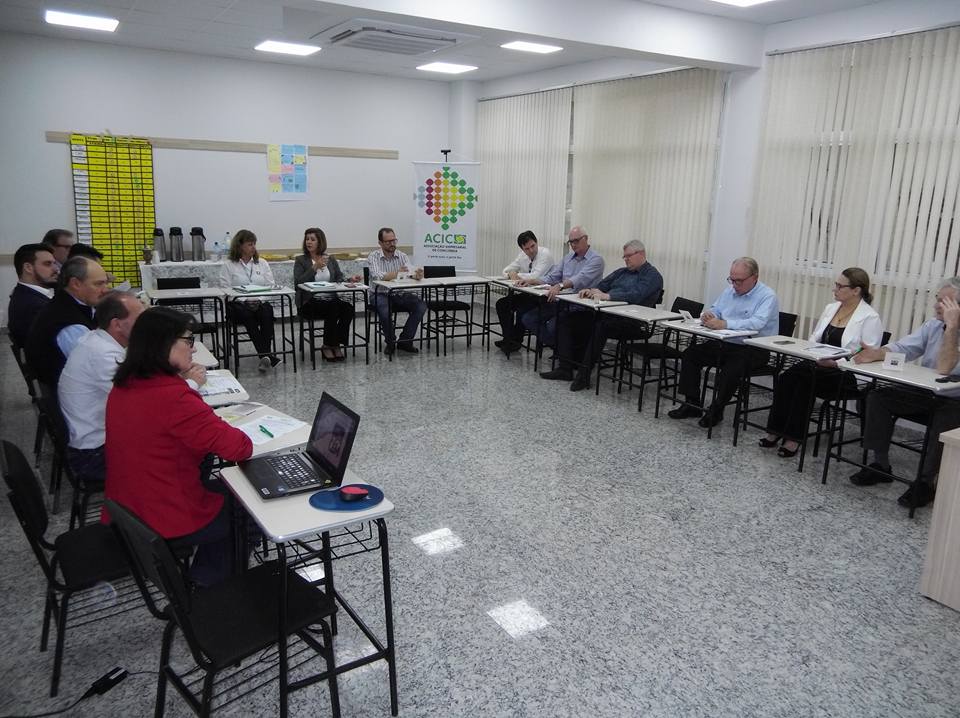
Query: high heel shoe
column 786, row 453
column 766, row 443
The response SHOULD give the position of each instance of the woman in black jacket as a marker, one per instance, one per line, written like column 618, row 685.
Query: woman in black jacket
column 315, row 265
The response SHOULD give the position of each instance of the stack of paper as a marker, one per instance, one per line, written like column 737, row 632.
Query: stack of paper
column 269, row 427
column 220, row 382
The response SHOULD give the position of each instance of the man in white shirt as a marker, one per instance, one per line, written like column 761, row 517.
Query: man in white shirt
column 87, row 378
column 531, row 264
column 386, row 264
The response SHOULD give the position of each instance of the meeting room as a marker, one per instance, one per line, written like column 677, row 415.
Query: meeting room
column 395, row 358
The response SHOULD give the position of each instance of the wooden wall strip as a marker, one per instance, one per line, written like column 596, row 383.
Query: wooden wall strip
column 173, row 143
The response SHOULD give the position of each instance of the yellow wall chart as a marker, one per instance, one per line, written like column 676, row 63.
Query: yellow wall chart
column 113, row 196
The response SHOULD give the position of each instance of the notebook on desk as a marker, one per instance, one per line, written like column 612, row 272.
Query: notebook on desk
column 318, row 464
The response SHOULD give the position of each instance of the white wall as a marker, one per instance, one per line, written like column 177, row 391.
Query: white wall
column 78, row 86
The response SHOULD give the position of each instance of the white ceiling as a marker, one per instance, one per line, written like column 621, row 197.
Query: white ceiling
column 231, row 28
column 767, row 13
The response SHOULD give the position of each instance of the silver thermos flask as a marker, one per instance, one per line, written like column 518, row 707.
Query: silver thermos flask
column 197, row 244
column 176, row 244
column 160, row 245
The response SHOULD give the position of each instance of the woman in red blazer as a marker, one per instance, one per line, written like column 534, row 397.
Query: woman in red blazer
column 159, row 431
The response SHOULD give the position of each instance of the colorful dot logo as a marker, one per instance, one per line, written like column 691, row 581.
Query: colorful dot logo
column 446, row 197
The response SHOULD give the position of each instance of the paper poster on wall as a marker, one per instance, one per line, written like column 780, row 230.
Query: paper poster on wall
column 287, row 172
column 445, row 203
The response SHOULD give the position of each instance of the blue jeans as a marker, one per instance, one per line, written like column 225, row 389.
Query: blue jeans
column 405, row 302
column 546, row 330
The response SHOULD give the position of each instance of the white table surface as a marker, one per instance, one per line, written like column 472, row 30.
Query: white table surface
column 272, row 292
column 203, row 356
column 912, row 375
column 192, row 293
column 434, row 282
column 641, row 313
column 292, row 517
column 589, row 303
column 699, row 330
column 799, row 348
column 333, row 287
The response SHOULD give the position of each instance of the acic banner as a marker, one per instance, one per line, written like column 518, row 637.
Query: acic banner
column 445, row 200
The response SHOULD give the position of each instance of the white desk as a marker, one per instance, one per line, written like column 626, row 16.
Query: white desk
column 278, row 296
column 797, row 348
column 235, row 397
column 203, row 356
column 650, row 315
column 941, row 578
column 723, row 335
column 352, row 288
column 291, row 520
column 589, row 303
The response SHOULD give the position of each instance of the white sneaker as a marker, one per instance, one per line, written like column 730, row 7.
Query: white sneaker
column 264, row 365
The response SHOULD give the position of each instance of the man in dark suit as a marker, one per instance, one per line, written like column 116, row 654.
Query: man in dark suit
column 37, row 276
column 62, row 323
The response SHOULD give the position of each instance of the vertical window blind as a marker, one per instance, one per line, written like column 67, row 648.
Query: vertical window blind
column 859, row 165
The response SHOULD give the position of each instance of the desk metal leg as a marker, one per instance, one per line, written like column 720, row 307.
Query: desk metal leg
column 388, row 614
column 282, row 626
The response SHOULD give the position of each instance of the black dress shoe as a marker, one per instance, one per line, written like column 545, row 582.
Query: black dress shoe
column 559, row 374
column 579, row 384
column 407, row 347
column 870, row 475
column 389, row 349
column 508, row 347
column 686, row 411
column 711, row 417
column 920, row 493
column 499, row 343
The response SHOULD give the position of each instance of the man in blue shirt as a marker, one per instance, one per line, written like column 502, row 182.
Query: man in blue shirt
column 747, row 304
column 580, row 269
column 937, row 345
column 582, row 334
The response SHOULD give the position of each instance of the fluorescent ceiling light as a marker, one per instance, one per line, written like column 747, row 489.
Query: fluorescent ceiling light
column 531, row 47
column 87, row 22
column 287, row 48
column 447, row 67
column 741, row 3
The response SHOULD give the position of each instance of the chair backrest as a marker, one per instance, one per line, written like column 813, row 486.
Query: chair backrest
column 26, row 496
column 178, row 282
column 56, row 427
column 695, row 308
column 788, row 324
column 435, row 270
column 28, row 376
column 152, row 561
column 659, row 298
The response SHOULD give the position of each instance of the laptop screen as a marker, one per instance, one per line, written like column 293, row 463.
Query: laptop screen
column 331, row 437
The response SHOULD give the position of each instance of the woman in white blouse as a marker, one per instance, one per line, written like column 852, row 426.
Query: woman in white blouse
column 848, row 323
column 244, row 266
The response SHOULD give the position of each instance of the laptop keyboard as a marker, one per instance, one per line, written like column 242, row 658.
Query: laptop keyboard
column 294, row 472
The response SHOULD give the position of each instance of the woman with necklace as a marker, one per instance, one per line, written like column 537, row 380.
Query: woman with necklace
column 244, row 266
column 315, row 265
column 848, row 323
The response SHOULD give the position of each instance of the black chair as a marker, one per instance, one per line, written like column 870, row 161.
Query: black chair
column 192, row 306
column 83, row 491
column 647, row 350
column 442, row 311
column 226, row 623
column 30, row 380
column 73, row 562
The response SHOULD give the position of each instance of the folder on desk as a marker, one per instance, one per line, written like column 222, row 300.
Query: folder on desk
column 250, row 288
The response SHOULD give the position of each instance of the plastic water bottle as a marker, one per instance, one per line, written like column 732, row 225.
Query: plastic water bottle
column 220, row 249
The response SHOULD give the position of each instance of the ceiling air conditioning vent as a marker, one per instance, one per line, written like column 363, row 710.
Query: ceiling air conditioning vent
column 392, row 41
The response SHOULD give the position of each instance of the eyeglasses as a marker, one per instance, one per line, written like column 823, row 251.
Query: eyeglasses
column 838, row 287
column 627, row 256
column 190, row 340
column 738, row 282
column 574, row 240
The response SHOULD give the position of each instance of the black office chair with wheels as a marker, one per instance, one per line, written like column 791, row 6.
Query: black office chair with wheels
column 227, row 623
column 74, row 562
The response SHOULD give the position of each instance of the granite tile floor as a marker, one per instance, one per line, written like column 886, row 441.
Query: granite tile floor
column 640, row 568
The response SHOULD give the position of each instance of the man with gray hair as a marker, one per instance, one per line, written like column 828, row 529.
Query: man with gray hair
column 69, row 315
column 582, row 335
column 747, row 304
column 87, row 378
column 937, row 345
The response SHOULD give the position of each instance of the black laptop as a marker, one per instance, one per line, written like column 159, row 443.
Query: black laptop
column 318, row 464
